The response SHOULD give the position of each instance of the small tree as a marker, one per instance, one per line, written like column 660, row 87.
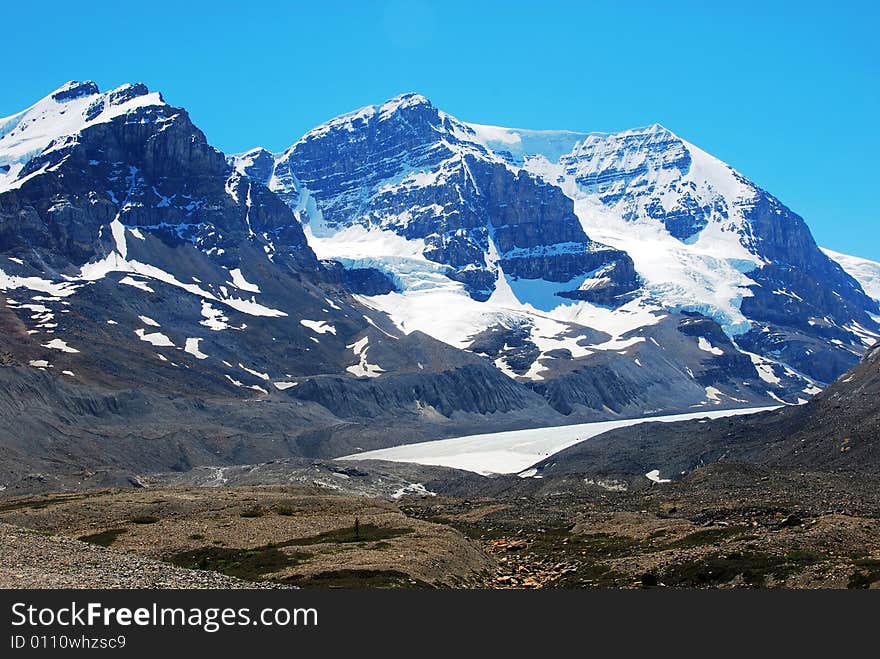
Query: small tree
column 357, row 528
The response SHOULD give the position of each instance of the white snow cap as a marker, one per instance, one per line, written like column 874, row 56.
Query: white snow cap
column 63, row 113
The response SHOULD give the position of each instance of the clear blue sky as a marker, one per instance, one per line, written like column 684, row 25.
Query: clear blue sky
column 787, row 92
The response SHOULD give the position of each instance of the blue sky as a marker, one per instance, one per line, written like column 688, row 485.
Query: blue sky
column 786, row 92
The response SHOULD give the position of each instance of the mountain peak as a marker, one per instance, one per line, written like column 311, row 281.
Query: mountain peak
column 258, row 164
column 74, row 89
column 350, row 121
column 652, row 131
column 657, row 128
column 128, row 91
column 407, row 100
column 403, row 103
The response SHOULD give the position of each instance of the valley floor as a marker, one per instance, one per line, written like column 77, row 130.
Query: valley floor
column 726, row 525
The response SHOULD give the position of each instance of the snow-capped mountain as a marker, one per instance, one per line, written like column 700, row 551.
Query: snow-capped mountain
column 134, row 257
column 558, row 254
column 407, row 168
column 395, row 274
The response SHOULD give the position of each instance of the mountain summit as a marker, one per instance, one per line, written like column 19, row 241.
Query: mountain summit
column 550, row 234
column 396, row 274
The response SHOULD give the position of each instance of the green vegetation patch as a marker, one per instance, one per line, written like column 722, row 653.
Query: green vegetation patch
column 867, row 572
column 363, row 533
column 360, row 579
column 45, row 534
column 144, row 519
column 248, row 564
column 44, row 502
column 103, row 538
column 709, row 536
column 753, row 567
column 256, row 564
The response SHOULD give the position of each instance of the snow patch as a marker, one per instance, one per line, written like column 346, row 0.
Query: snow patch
column 192, row 347
column 239, row 281
column 155, row 338
column 706, row 346
column 137, row 283
column 262, row 376
column 416, row 489
column 318, row 326
column 363, row 369
column 58, row 344
column 654, row 477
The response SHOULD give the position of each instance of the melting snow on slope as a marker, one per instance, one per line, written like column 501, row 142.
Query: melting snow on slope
column 363, row 369
column 192, row 347
column 213, row 318
column 55, row 289
column 706, row 346
column 714, row 394
column 318, row 326
column 262, row 376
column 432, row 303
column 239, row 281
column 116, row 262
column 58, row 344
column 155, row 338
column 654, row 476
column 416, row 489
column 137, row 283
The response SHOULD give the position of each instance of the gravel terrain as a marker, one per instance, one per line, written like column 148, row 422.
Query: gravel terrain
column 284, row 535
column 30, row 559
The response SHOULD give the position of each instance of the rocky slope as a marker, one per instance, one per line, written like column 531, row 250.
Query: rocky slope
column 837, row 430
column 41, row 560
column 395, row 275
column 151, row 290
column 527, row 239
column 287, row 536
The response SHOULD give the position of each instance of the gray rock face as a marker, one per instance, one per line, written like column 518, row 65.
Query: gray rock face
column 362, row 281
column 150, row 284
column 821, row 311
column 598, row 168
column 257, row 164
column 169, row 182
column 153, row 287
column 801, row 306
column 408, row 167
column 835, row 431
column 483, row 209
column 75, row 90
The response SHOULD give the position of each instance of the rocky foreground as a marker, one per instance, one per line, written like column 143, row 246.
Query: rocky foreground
column 728, row 525
column 35, row 559
column 192, row 537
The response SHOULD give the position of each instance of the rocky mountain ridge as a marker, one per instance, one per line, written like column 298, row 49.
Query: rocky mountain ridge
column 393, row 276
column 665, row 228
